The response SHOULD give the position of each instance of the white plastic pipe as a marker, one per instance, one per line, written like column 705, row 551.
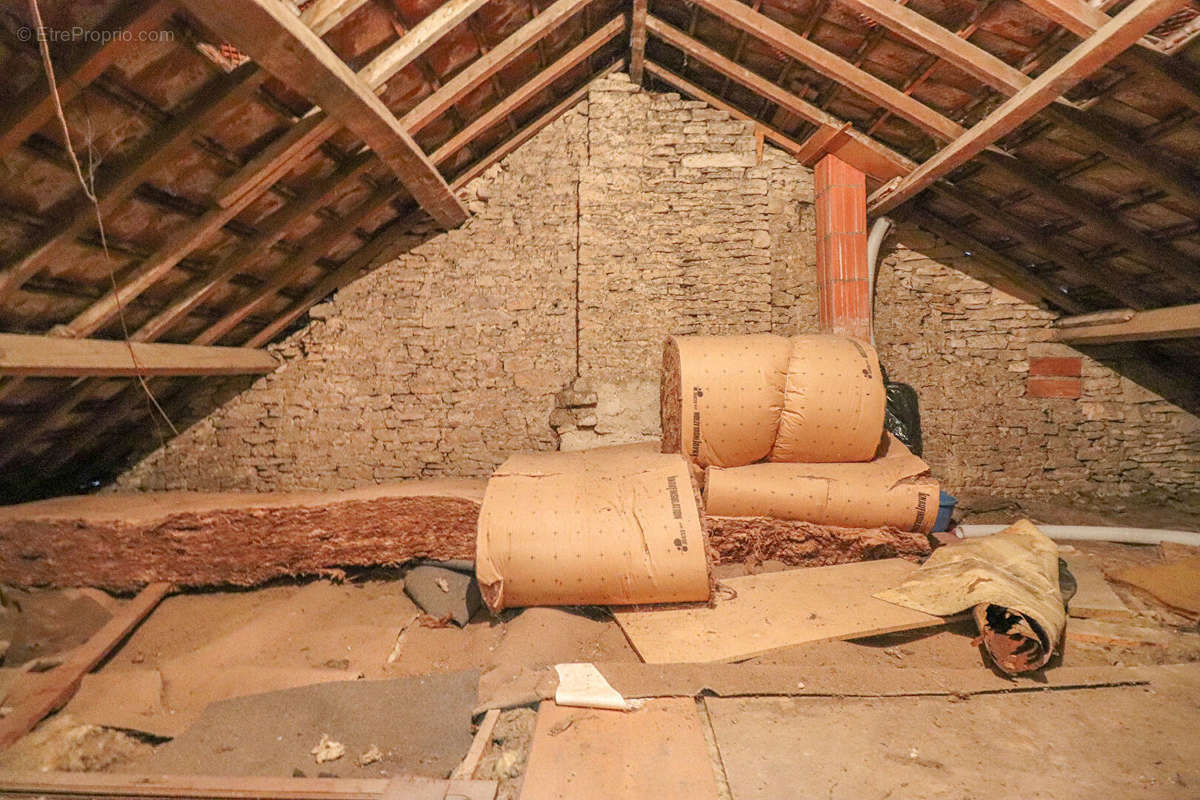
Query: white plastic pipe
column 879, row 232
column 1094, row 533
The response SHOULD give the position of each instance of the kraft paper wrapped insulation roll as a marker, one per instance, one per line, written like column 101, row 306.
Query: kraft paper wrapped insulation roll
column 833, row 402
column 609, row 526
column 1010, row 582
column 721, row 397
column 893, row 490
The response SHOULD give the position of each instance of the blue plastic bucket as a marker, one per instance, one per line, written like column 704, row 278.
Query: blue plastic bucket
column 946, row 504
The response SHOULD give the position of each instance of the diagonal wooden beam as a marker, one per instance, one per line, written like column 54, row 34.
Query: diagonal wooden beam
column 933, row 38
column 637, row 40
column 872, row 157
column 1076, row 16
column 280, row 43
column 34, row 107
column 58, row 357
column 687, row 87
column 1125, row 29
column 1175, row 322
column 1076, row 203
column 495, row 60
column 833, row 67
column 539, row 83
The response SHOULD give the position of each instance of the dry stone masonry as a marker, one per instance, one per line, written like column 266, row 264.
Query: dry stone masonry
column 539, row 324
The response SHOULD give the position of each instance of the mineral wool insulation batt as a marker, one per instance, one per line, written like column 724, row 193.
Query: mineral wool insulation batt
column 729, row 401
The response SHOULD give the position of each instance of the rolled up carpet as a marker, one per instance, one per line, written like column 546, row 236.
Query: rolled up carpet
column 893, row 490
column 609, row 526
column 1009, row 581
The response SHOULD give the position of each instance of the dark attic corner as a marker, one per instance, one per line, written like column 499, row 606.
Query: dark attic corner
column 482, row 399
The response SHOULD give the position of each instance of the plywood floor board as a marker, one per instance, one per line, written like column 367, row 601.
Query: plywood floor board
column 1094, row 598
column 774, row 610
column 657, row 751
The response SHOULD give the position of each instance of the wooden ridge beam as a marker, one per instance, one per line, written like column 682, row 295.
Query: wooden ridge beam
column 1007, row 270
column 34, row 107
column 834, row 67
column 637, row 40
column 1076, row 203
column 936, row 40
column 539, row 83
column 1174, row 322
column 862, row 151
column 492, row 62
column 34, row 695
column 58, row 357
column 687, row 87
column 1125, row 29
column 114, row 187
column 1039, row 241
column 281, row 44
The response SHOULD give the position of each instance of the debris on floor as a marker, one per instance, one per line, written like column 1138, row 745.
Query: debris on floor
column 327, row 750
column 443, row 593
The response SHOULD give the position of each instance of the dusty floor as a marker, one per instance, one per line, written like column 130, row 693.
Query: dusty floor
column 201, row 646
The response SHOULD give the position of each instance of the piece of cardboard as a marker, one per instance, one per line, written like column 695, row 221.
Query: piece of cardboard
column 1174, row 583
column 611, row 526
column 833, row 402
column 755, row 614
column 657, row 751
column 728, row 395
column 894, row 490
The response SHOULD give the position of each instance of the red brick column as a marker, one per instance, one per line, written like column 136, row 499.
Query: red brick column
column 842, row 270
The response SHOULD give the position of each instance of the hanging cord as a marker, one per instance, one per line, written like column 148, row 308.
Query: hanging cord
column 89, row 191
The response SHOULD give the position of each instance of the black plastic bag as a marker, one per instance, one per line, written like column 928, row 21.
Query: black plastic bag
column 902, row 418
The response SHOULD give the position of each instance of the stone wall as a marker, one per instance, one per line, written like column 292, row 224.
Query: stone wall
column 539, row 324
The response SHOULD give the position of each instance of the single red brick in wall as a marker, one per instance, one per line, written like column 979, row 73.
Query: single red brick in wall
column 842, row 270
column 1039, row 386
column 1058, row 367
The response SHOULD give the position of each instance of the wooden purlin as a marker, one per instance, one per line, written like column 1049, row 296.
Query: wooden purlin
column 1125, row 29
column 58, row 357
column 1174, row 322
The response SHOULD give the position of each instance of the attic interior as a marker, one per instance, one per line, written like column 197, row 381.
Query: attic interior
column 521, row 399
